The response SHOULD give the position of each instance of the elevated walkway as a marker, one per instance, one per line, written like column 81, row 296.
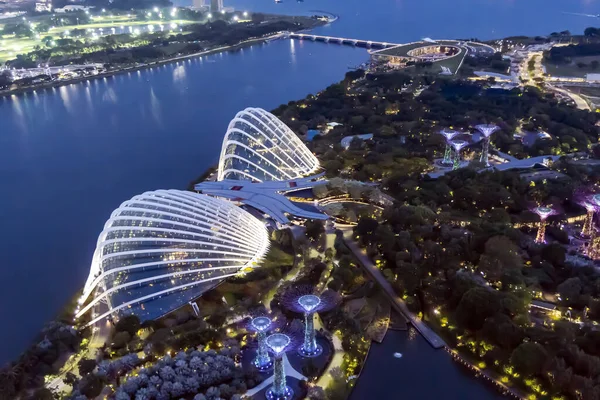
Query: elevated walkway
column 399, row 305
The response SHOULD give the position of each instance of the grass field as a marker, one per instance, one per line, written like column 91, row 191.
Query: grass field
column 11, row 46
column 572, row 69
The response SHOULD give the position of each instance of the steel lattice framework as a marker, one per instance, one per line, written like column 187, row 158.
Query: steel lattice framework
column 163, row 244
column 260, row 147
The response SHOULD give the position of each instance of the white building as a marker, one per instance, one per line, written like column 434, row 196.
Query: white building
column 71, row 8
column 199, row 4
column 43, row 5
column 162, row 249
column 259, row 147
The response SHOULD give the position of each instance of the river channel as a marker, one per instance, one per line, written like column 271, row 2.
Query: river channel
column 70, row 155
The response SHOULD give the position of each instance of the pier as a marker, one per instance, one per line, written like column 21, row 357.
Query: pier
column 368, row 44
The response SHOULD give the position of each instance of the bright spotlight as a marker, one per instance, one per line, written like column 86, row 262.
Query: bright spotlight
column 245, row 13
column 155, row 9
column 209, row 15
column 235, row 18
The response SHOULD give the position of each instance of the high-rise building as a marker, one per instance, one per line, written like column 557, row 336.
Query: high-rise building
column 216, row 5
column 199, row 4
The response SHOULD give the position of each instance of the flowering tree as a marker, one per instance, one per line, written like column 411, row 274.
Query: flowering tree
column 214, row 372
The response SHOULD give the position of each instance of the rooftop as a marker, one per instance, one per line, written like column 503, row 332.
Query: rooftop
column 268, row 197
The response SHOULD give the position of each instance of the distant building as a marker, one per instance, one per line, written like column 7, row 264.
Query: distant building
column 71, row 8
column 44, row 5
column 216, row 5
column 199, row 4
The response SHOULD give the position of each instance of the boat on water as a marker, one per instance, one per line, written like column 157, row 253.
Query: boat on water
column 278, row 1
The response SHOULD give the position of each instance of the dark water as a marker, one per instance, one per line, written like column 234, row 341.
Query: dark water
column 421, row 373
column 69, row 156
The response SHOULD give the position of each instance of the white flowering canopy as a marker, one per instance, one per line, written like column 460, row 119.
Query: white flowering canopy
column 162, row 249
column 258, row 146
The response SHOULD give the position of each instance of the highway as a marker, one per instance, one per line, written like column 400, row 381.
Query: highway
column 579, row 101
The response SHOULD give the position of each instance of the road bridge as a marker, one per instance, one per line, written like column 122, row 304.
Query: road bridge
column 340, row 40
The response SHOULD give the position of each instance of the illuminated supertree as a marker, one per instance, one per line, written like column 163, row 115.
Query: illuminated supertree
column 457, row 145
column 261, row 325
column 591, row 204
column 449, row 134
column 279, row 343
column 486, row 130
column 544, row 213
column 304, row 300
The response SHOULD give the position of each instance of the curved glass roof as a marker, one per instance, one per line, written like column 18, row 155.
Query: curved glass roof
column 162, row 249
column 260, row 147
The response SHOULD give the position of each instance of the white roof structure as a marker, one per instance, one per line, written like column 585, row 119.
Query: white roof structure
column 260, row 147
column 164, row 248
column 267, row 197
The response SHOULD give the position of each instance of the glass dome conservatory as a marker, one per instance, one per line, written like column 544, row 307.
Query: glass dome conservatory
column 164, row 248
column 260, row 147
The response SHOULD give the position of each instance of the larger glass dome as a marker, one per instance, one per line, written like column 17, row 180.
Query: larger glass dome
column 259, row 147
column 164, row 248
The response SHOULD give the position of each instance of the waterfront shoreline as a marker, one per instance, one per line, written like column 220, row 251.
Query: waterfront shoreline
column 55, row 84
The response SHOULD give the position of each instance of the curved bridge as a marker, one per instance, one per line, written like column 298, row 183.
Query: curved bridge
column 351, row 42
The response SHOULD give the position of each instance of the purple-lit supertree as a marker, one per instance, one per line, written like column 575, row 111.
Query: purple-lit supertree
column 261, row 325
column 449, row 134
column 544, row 213
column 486, row 130
column 457, row 145
column 591, row 204
column 593, row 249
column 279, row 343
column 304, row 300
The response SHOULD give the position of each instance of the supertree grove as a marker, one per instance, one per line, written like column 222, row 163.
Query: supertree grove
column 486, row 130
column 279, row 343
column 449, row 134
column 544, row 213
column 304, row 300
column 457, row 145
